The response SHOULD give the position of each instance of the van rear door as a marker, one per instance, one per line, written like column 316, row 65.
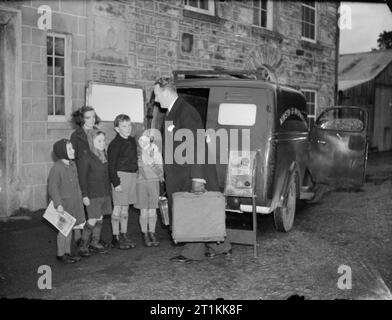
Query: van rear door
column 338, row 147
column 244, row 116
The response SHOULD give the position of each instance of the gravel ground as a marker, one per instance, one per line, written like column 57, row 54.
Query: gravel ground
column 344, row 228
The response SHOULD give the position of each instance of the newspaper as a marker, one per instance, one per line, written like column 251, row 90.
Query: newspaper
column 63, row 222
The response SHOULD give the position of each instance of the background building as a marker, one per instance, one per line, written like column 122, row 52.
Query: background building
column 365, row 79
column 44, row 72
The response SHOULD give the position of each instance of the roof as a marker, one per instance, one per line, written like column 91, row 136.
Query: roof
column 358, row 68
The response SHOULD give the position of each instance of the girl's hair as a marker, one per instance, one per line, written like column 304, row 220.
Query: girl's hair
column 121, row 118
column 97, row 133
column 78, row 115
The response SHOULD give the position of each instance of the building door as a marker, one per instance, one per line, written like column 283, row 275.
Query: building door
column 3, row 134
column 10, row 108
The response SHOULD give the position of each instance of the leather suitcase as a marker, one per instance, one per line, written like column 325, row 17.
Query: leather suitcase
column 198, row 217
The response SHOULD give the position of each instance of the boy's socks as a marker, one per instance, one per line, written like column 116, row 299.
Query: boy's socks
column 115, row 219
column 124, row 220
column 143, row 220
column 152, row 219
column 68, row 243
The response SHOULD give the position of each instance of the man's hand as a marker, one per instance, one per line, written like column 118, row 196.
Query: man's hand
column 60, row 209
column 86, row 201
column 118, row 188
column 198, row 186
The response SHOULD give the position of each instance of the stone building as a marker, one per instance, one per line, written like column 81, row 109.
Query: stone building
column 49, row 50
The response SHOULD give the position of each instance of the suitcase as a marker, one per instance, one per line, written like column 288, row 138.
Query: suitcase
column 198, row 217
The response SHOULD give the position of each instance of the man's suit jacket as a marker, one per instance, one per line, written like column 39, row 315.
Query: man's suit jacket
column 178, row 176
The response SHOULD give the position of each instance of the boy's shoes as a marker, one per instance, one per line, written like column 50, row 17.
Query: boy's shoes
column 96, row 247
column 125, row 239
column 154, row 240
column 118, row 243
column 76, row 258
column 65, row 259
column 146, row 239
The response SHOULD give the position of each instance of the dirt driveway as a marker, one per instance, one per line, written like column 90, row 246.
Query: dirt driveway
column 352, row 229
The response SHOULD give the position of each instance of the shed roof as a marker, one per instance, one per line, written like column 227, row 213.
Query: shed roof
column 358, row 68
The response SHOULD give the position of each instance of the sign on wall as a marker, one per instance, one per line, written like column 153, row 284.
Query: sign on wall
column 110, row 100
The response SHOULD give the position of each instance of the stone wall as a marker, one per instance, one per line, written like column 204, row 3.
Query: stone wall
column 154, row 31
column 37, row 134
column 137, row 41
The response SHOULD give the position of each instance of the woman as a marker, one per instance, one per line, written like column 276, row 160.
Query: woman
column 85, row 119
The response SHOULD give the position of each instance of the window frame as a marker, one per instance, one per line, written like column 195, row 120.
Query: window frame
column 67, row 77
column 210, row 11
column 303, row 4
column 269, row 24
column 311, row 116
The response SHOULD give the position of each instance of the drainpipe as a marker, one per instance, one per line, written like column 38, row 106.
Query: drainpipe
column 337, row 39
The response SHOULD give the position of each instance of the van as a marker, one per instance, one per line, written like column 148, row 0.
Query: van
column 293, row 158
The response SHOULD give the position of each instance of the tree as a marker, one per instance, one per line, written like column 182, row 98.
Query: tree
column 385, row 40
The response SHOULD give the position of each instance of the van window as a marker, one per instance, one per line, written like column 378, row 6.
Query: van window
column 237, row 114
column 197, row 97
column 345, row 119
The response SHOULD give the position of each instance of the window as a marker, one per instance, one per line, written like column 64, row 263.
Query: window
column 344, row 119
column 262, row 14
column 311, row 98
column 309, row 21
column 237, row 114
column 59, row 78
column 202, row 6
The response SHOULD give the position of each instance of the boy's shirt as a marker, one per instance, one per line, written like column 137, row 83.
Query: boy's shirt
column 122, row 156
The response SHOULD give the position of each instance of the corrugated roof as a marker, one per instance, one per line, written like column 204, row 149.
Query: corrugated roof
column 358, row 68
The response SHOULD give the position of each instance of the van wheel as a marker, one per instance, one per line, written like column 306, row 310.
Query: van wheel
column 284, row 216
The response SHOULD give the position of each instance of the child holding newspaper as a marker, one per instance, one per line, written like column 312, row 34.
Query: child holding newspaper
column 64, row 191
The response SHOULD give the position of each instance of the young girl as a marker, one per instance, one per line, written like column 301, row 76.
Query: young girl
column 95, row 185
column 64, row 191
column 147, row 187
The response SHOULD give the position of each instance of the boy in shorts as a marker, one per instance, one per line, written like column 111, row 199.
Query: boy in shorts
column 122, row 158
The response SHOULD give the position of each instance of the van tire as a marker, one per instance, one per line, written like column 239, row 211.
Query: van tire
column 284, row 216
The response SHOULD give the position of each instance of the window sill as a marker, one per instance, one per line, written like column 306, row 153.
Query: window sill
column 60, row 125
column 311, row 45
column 201, row 16
column 273, row 35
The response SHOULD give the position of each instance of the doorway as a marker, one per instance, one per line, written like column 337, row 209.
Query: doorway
column 10, row 109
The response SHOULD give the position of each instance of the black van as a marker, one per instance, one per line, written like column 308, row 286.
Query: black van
column 291, row 157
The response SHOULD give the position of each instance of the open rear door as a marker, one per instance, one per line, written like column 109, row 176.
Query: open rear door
column 338, row 147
